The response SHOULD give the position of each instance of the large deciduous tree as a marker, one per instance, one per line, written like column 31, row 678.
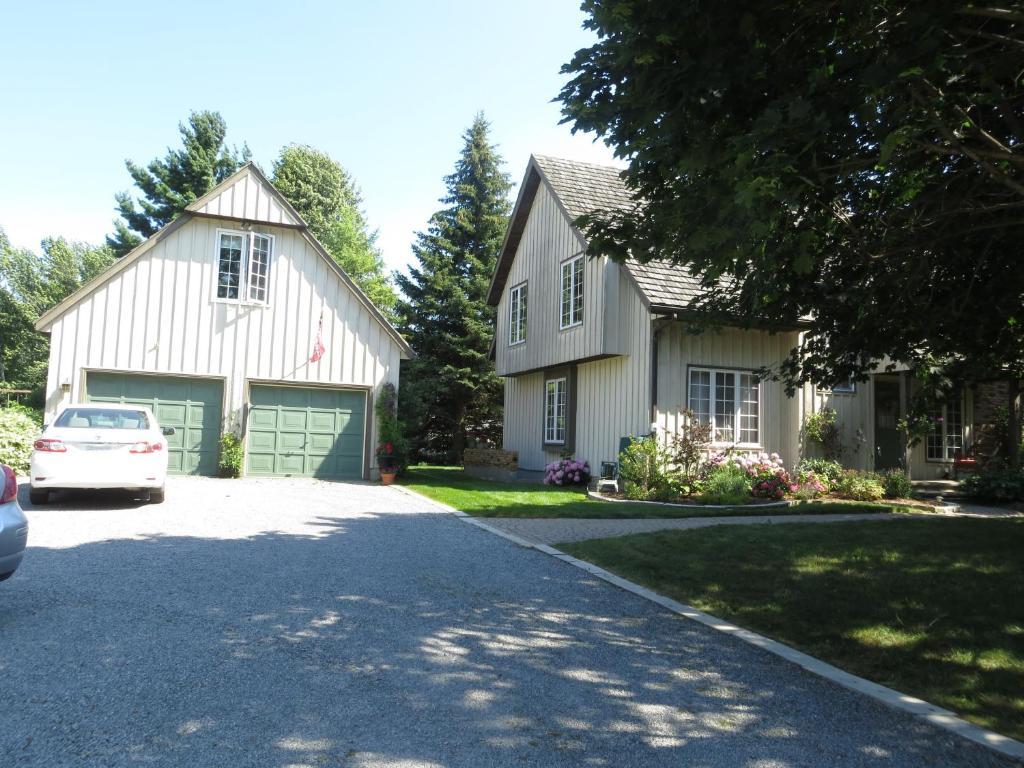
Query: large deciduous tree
column 450, row 393
column 29, row 285
column 328, row 199
column 856, row 162
column 169, row 184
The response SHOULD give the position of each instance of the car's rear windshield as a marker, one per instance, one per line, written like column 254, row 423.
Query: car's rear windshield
column 102, row 418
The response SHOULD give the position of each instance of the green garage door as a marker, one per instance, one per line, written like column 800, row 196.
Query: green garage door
column 191, row 406
column 305, row 431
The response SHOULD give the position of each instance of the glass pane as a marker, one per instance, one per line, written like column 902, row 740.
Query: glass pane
column 934, row 440
column 725, row 406
column 577, row 285
column 259, row 268
column 229, row 267
column 954, row 428
column 566, row 287
column 700, row 395
column 749, row 407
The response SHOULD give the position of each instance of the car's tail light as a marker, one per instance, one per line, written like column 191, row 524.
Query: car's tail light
column 49, row 445
column 144, row 446
column 10, row 492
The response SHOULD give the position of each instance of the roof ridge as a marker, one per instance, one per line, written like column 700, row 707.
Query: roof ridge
column 570, row 161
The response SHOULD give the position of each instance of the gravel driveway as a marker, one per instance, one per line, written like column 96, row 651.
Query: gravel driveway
column 300, row 623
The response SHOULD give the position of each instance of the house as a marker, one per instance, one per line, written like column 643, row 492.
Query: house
column 593, row 351
column 214, row 322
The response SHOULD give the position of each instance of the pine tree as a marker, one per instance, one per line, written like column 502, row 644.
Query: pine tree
column 450, row 391
column 170, row 184
column 324, row 193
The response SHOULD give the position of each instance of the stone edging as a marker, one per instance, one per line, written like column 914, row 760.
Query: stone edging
column 930, row 713
column 944, row 509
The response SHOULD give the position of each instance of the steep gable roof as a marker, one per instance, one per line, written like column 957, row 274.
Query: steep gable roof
column 245, row 192
column 580, row 189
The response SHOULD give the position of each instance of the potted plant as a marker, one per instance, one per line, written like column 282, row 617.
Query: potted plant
column 387, row 463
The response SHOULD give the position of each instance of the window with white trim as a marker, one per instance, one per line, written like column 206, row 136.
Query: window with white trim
column 555, row 397
column 946, row 438
column 572, row 292
column 848, row 387
column 728, row 400
column 517, row 314
column 243, row 266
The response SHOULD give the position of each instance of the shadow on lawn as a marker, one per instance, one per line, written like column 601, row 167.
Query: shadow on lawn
column 400, row 640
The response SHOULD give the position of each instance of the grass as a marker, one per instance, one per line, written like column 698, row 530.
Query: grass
column 488, row 498
column 931, row 608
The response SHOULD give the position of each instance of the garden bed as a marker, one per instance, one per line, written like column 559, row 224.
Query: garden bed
column 757, row 504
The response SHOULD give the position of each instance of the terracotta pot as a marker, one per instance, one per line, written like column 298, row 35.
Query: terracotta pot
column 387, row 478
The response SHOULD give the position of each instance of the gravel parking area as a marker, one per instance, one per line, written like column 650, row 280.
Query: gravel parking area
column 301, row 623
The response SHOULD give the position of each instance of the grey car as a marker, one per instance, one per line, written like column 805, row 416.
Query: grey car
column 13, row 525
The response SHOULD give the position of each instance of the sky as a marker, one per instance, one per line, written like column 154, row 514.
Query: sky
column 386, row 88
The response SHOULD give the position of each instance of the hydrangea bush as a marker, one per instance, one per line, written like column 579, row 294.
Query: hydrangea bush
column 808, row 486
column 567, row 472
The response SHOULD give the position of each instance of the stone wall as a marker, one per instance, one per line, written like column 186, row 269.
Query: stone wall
column 491, row 463
column 990, row 402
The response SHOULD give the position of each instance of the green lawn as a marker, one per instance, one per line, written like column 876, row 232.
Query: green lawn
column 933, row 608
column 487, row 498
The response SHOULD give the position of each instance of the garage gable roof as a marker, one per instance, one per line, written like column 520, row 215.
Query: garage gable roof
column 244, row 192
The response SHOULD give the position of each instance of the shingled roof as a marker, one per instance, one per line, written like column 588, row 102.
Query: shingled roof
column 582, row 188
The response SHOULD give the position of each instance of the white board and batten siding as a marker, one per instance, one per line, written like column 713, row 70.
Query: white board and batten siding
column 780, row 415
column 245, row 198
column 160, row 315
column 548, row 240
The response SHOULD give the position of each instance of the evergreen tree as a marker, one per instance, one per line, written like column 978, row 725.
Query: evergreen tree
column 170, row 184
column 327, row 198
column 450, row 391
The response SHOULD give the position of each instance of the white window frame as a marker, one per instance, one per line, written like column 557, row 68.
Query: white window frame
column 848, row 387
column 556, row 407
column 949, row 443
column 518, row 308
column 738, row 413
column 246, row 274
column 575, row 293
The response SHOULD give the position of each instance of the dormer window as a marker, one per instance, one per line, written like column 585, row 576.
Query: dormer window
column 572, row 293
column 517, row 314
column 243, row 266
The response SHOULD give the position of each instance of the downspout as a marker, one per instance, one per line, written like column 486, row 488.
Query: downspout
column 659, row 324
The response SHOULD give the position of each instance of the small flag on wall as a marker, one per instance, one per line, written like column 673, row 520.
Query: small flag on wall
column 318, row 345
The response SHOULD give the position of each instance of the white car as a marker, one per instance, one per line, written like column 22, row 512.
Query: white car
column 13, row 525
column 95, row 445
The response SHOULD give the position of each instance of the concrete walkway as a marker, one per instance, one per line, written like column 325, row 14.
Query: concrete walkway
column 566, row 529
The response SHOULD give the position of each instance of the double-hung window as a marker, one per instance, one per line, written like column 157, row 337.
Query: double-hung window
column 517, row 314
column 572, row 292
column 243, row 266
column 555, row 400
column 730, row 401
column 946, row 438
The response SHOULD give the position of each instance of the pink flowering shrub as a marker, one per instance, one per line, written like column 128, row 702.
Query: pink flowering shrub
column 567, row 472
column 808, row 486
column 768, row 476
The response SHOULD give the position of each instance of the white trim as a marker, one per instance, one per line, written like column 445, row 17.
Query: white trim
column 522, row 304
column 737, row 429
column 575, row 291
column 564, row 382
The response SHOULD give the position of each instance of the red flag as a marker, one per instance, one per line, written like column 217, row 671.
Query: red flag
column 318, row 345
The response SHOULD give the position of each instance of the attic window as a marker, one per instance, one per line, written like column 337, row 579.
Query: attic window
column 243, row 266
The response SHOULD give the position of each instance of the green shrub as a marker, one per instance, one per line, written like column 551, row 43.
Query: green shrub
column 896, row 484
column 18, row 430
column 859, row 486
column 392, row 447
column 997, row 482
column 644, row 469
column 727, row 485
column 232, row 454
column 824, row 429
column 825, row 470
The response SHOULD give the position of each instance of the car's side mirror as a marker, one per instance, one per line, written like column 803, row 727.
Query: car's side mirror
column 168, row 431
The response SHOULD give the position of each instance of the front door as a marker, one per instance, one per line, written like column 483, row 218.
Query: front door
column 888, row 437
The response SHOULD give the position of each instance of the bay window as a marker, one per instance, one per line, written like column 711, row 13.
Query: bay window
column 730, row 401
column 517, row 314
column 572, row 293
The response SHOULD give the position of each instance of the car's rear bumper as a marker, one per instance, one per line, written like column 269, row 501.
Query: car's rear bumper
column 10, row 563
column 132, row 484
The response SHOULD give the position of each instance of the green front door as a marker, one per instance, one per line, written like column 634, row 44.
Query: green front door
column 191, row 406
column 305, row 431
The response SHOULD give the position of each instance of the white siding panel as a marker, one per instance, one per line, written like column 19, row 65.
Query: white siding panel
column 524, row 415
column 160, row 315
column 248, row 199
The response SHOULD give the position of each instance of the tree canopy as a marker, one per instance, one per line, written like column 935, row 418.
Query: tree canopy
column 450, row 393
column 858, row 164
column 324, row 193
column 29, row 285
column 169, row 184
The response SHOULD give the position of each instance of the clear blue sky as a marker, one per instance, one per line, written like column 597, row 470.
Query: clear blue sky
column 385, row 88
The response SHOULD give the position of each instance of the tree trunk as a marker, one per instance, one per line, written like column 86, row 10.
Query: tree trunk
column 1013, row 423
column 459, row 436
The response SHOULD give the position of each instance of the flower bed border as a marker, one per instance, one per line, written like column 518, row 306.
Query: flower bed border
column 908, row 504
